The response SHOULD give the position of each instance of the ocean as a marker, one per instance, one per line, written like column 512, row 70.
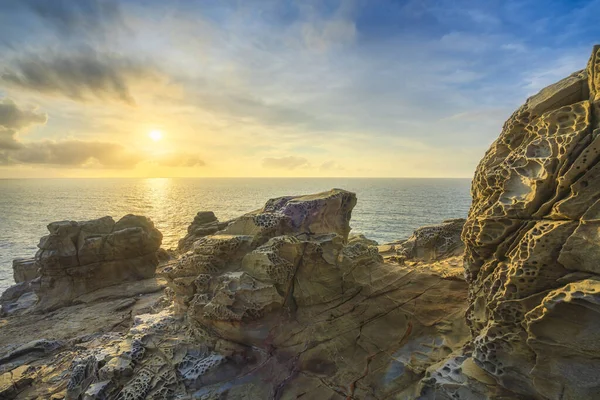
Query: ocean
column 387, row 209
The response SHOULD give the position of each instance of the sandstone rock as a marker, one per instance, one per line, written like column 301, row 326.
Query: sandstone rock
column 297, row 308
column 327, row 212
column 80, row 257
column 205, row 223
column 430, row 243
column 531, row 240
column 25, row 269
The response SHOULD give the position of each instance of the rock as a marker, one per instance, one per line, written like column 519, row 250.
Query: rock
column 427, row 243
column 205, row 223
column 282, row 303
column 13, row 382
column 25, row 269
column 81, row 257
column 327, row 212
column 531, row 243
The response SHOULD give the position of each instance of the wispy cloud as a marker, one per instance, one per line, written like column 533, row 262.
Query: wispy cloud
column 289, row 162
column 78, row 76
column 255, row 88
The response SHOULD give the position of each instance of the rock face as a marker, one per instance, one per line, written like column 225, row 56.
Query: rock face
column 429, row 243
column 80, row 257
column 281, row 303
column 205, row 223
column 25, row 269
column 532, row 243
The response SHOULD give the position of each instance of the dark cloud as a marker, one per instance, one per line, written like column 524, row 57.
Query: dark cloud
column 13, row 118
column 73, row 153
column 78, row 76
column 180, row 160
column 8, row 139
column 68, row 153
column 289, row 162
column 70, row 17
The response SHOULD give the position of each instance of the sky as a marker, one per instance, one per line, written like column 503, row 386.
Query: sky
column 264, row 88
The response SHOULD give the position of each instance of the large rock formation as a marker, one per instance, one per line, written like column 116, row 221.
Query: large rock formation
column 532, row 244
column 80, row 257
column 280, row 304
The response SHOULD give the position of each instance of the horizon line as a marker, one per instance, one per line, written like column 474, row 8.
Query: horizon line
column 237, row 177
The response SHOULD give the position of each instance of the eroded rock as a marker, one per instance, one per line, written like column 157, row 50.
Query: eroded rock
column 531, row 237
column 205, row 223
column 281, row 303
column 80, row 257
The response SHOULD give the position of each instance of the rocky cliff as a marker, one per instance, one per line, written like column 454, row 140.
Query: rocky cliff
column 532, row 241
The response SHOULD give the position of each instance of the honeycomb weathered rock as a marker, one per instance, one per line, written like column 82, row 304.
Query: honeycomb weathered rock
column 531, row 240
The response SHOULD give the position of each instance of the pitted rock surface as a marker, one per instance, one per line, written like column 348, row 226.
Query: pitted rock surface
column 260, row 310
column 205, row 223
column 430, row 243
column 531, row 244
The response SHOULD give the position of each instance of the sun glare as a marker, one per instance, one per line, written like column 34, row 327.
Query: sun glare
column 155, row 135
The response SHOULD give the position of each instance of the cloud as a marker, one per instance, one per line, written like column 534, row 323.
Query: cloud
column 78, row 76
column 330, row 166
column 13, row 117
column 76, row 17
column 289, row 162
column 180, row 160
column 73, row 153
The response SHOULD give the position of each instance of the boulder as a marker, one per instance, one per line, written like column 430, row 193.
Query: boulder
column 532, row 242
column 80, row 257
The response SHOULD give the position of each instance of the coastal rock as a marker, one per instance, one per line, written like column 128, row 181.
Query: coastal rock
column 531, row 244
column 430, row 243
column 205, row 223
column 25, row 269
column 282, row 303
column 80, row 257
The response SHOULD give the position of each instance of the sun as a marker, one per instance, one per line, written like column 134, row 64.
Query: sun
column 155, row 135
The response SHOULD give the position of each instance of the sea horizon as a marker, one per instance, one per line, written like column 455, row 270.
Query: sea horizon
column 388, row 209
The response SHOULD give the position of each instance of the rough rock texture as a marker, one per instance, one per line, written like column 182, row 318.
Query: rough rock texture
column 280, row 304
column 205, row 223
column 429, row 243
column 80, row 257
column 532, row 245
column 25, row 269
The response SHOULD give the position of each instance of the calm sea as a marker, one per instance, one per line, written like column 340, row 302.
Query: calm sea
column 387, row 209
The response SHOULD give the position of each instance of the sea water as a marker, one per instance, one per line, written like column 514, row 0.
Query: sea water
column 387, row 209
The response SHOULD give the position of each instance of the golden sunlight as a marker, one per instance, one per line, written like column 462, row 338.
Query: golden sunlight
column 155, row 135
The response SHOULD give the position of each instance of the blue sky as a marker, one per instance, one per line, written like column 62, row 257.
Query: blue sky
column 273, row 88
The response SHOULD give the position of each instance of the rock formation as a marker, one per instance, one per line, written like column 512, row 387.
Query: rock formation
column 429, row 243
column 80, row 257
column 532, row 242
column 281, row 303
column 205, row 223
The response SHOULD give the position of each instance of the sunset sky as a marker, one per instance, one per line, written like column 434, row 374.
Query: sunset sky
column 273, row 88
